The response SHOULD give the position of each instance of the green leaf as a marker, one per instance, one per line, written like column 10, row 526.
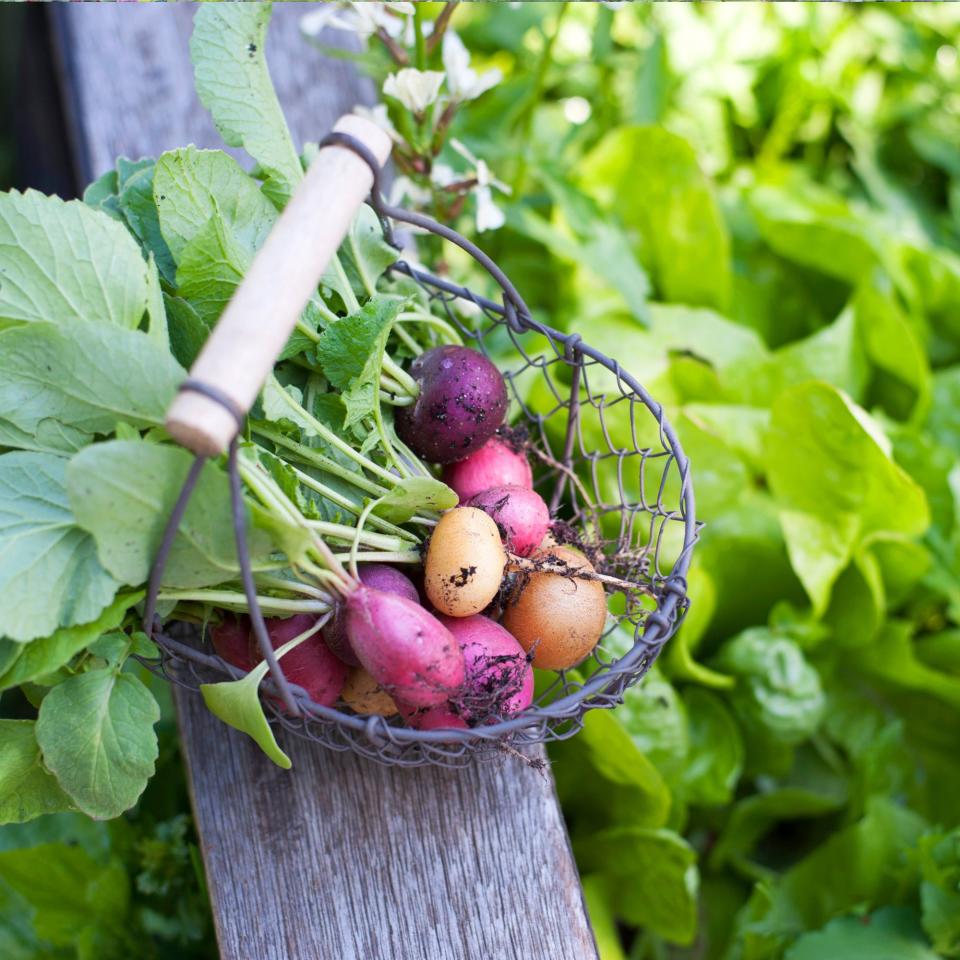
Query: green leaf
column 685, row 242
column 237, row 703
column 191, row 186
column 777, row 690
column 49, row 572
column 890, row 934
column 835, row 484
column 651, row 875
column 122, row 492
column 350, row 350
column 188, row 332
column 85, row 376
column 228, row 49
column 654, row 716
column 71, row 893
column 602, row 775
column 364, row 253
column 716, row 751
column 27, row 789
column 212, row 264
column 64, row 261
column 22, row 663
column 939, row 854
column 97, row 737
column 413, row 495
column 48, row 436
column 602, row 920
column 140, row 211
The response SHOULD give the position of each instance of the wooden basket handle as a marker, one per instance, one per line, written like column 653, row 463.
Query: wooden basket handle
column 258, row 320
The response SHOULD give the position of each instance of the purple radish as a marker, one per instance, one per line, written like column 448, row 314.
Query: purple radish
column 231, row 640
column 406, row 649
column 310, row 664
column 380, row 577
column 495, row 464
column 462, row 402
column 520, row 514
column 498, row 680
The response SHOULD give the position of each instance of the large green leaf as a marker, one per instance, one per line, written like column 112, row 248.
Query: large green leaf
column 650, row 177
column 25, row 662
column 889, row 934
column 191, row 186
column 85, row 376
column 123, row 491
column 75, row 898
column 228, row 49
column 652, row 877
column 97, row 737
column 65, row 261
column 27, row 788
column 835, row 483
column 49, row 572
column 715, row 758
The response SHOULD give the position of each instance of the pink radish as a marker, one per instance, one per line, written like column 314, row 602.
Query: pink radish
column 380, row 577
column 405, row 648
column 495, row 464
column 231, row 640
column 520, row 514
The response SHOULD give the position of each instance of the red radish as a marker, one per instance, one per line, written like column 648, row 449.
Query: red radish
column 499, row 679
column 440, row 717
column 495, row 464
column 380, row 577
column 405, row 648
column 231, row 640
column 520, row 514
column 462, row 401
column 310, row 664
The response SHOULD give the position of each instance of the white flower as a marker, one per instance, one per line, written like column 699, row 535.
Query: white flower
column 378, row 115
column 404, row 188
column 442, row 174
column 463, row 82
column 489, row 215
column 415, row 89
column 363, row 19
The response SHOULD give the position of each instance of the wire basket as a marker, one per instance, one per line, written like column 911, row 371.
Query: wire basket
column 612, row 471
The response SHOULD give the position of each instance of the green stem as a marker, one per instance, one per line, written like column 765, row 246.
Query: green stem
column 317, row 459
column 394, row 370
column 238, row 600
column 355, row 546
column 325, row 433
column 421, row 43
column 307, row 331
column 350, row 300
column 347, row 504
column 399, row 556
column 408, row 341
column 293, row 586
column 340, row 531
column 429, row 320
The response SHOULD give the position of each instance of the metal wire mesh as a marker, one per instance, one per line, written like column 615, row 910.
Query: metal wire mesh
column 610, row 466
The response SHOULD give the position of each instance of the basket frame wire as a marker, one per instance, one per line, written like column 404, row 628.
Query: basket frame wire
column 183, row 660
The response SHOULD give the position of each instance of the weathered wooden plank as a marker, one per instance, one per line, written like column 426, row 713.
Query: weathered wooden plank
column 338, row 857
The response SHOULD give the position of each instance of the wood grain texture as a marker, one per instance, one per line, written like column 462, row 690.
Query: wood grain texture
column 338, row 857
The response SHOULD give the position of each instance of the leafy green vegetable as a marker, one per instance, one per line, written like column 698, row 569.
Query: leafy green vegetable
column 889, row 934
column 96, row 734
column 64, row 261
column 685, row 241
column 233, row 83
column 412, row 495
column 49, row 572
column 123, row 491
column 27, row 788
column 85, row 377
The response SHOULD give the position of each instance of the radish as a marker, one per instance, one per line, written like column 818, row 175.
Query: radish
column 380, row 577
column 520, row 514
column 462, row 402
column 231, row 640
column 464, row 563
column 405, row 648
column 363, row 695
column 495, row 464
column 310, row 664
column 498, row 679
